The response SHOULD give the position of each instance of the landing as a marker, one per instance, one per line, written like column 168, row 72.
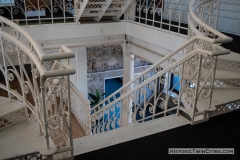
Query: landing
column 6, row 107
column 21, row 139
column 91, row 143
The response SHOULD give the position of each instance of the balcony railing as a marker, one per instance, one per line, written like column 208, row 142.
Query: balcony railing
column 38, row 12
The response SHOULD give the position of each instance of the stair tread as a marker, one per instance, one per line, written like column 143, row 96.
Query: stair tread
column 6, row 107
column 21, row 139
column 227, row 74
column 227, row 95
column 232, row 56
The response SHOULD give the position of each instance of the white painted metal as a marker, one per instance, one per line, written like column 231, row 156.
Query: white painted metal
column 81, row 109
column 50, row 111
column 68, row 11
column 123, row 9
column 79, row 12
column 162, row 12
column 197, row 68
column 203, row 55
column 37, row 9
column 104, row 9
column 225, row 108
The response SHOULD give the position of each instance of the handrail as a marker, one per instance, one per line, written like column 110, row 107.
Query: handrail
column 47, row 109
column 198, row 44
column 34, row 46
column 178, row 62
column 190, row 41
column 224, row 38
column 33, row 42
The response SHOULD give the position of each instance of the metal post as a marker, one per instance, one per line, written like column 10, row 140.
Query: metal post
column 170, row 16
column 22, row 86
column 181, row 85
column 25, row 9
column 155, row 97
column 146, row 12
column 64, row 14
column 139, row 10
column 180, row 13
column 196, row 87
column 45, row 111
column 154, row 11
column 39, row 13
column 5, row 69
column 166, row 98
column 212, row 82
column 216, row 21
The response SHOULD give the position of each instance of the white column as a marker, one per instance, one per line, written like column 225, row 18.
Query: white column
column 81, row 70
column 128, row 73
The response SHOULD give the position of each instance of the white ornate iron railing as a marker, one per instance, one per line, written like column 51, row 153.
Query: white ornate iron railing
column 225, row 108
column 228, row 64
column 80, row 109
column 166, row 15
column 36, row 155
column 171, row 15
column 227, row 83
column 42, row 90
column 79, row 104
column 201, row 51
column 145, row 107
column 38, row 12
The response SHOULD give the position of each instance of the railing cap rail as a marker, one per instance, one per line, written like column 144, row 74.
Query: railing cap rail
column 64, row 53
column 224, row 38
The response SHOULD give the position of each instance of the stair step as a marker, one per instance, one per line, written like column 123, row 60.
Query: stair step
column 22, row 139
column 11, row 113
column 227, row 95
column 220, row 96
column 227, row 74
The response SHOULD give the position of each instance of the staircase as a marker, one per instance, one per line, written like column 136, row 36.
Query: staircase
column 199, row 75
column 209, row 86
column 35, row 119
column 90, row 10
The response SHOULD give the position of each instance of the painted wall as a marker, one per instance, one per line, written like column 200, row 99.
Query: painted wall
column 96, row 80
column 107, row 58
column 104, row 62
column 160, row 38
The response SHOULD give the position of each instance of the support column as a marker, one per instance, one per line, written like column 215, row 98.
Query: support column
column 81, row 69
column 128, row 74
column 79, row 63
